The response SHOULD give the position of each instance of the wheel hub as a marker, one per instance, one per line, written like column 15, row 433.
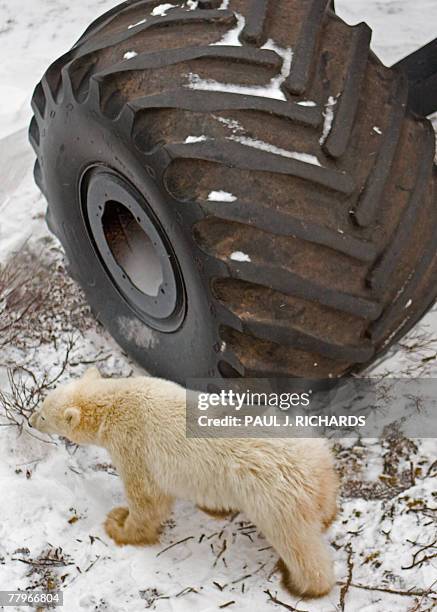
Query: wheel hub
column 133, row 248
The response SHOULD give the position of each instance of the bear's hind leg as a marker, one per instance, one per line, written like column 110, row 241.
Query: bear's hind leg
column 296, row 535
column 330, row 514
column 327, row 498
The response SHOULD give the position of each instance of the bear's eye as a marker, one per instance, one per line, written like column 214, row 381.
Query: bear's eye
column 42, row 417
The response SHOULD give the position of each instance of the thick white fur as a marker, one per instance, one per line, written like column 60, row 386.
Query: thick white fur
column 288, row 488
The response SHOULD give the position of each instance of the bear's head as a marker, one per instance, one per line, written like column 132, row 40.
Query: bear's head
column 67, row 411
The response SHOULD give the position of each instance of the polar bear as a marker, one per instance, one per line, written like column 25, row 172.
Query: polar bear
column 287, row 488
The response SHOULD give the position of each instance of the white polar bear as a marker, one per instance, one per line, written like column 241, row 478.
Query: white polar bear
column 287, row 488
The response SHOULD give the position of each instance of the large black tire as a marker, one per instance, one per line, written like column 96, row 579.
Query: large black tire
column 322, row 253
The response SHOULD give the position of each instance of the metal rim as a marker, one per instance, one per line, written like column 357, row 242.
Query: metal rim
column 109, row 199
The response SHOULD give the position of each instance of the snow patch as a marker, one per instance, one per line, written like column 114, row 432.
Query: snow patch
column 408, row 304
column 21, row 205
column 269, row 148
column 161, row 10
column 192, row 139
column 239, row 256
column 192, row 5
column 221, row 196
column 307, row 103
column 377, row 129
column 287, row 57
column 270, row 90
column 329, row 118
column 135, row 331
column 199, row 84
column 232, row 37
column 129, row 55
column 232, row 124
column 134, row 25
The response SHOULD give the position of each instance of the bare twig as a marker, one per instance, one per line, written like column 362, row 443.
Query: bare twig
column 17, row 301
column 350, row 567
column 221, row 552
column 186, row 591
column 405, row 593
column 174, row 544
column 38, row 300
column 278, row 602
column 26, row 391
column 418, row 606
column 431, row 469
column 419, row 562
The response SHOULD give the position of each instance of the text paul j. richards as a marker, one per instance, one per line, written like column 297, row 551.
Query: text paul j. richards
column 282, row 421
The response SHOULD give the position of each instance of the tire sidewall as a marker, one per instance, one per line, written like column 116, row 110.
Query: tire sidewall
column 75, row 139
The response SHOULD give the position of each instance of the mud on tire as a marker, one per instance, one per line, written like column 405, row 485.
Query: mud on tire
column 262, row 158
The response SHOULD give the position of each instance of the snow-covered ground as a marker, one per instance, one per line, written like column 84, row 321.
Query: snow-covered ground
column 54, row 496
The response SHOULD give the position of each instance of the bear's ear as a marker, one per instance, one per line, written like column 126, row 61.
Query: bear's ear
column 72, row 416
column 91, row 374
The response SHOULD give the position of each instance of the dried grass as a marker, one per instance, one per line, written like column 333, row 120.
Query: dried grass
column 38, row 300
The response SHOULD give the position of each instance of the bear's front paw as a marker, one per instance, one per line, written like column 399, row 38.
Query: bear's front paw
column 114, row 524
column 118, row 516
column 123, row 531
